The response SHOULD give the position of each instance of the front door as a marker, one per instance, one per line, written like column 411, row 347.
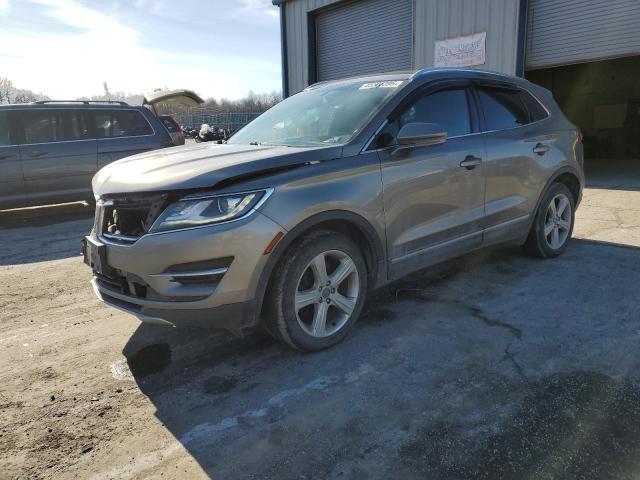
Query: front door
column 433, row 195
column 58, row 156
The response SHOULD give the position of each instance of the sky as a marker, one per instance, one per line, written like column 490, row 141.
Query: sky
column 67, row 48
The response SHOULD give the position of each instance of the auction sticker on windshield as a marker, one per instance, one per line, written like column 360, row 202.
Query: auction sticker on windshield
column 387, row 84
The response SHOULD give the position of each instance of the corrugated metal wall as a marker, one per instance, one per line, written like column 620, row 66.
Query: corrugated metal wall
column 297, row 40
column 562, row 32
column 364, row 37
column 434, row 20
column 439, row 19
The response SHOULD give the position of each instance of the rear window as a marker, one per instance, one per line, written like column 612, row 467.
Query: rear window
column 170, row 124
column 121, row 123
column 4, row 129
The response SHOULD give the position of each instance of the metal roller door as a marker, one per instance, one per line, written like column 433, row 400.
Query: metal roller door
column 573, row 31
column 364, row 37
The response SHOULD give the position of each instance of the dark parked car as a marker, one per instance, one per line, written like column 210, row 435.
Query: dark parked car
column 339, row 189
column 49, row 151
column 174, row 129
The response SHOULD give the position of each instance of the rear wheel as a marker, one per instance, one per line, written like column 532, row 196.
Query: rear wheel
column 553, row 224
column 317, row 292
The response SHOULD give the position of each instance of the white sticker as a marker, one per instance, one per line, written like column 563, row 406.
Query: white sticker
column 387, row 84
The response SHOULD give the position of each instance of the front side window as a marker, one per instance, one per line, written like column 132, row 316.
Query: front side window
column 4, row 129
column 322, row 116
column 42, row 126
column 448, row 108
column 503, row 108
column 121, row 123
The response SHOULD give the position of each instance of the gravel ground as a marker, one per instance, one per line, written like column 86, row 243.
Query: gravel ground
column 491, row 366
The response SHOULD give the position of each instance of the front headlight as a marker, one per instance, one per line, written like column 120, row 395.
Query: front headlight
column 199, row 211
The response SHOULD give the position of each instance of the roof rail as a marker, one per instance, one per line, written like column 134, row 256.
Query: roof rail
column 85, row 102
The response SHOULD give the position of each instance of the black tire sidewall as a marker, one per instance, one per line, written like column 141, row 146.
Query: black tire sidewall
column 542, row 248
column 295, row 267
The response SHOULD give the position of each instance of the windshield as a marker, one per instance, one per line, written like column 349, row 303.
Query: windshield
column 328, row 115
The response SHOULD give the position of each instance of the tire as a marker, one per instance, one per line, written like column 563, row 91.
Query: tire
column 550, row 234
column 300, row 325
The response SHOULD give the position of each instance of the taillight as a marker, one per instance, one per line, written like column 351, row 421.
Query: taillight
column 580, row 137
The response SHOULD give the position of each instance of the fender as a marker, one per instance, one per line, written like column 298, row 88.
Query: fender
column 379, row 275
column 561, row 171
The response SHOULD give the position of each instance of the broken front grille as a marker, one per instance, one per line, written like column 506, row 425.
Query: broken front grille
column 126, row 218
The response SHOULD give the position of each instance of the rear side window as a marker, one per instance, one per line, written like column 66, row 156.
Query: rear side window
column 502, row 108
column 536, row 111
column 75, row 123
column 506, row 108
column 121, row 123
column 4, row 129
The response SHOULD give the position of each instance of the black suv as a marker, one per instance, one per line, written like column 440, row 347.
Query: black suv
column 49, row 151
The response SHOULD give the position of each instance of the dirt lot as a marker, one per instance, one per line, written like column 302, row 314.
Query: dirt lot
column 492, row 366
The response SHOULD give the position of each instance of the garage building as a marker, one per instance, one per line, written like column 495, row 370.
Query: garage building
column 586, row 51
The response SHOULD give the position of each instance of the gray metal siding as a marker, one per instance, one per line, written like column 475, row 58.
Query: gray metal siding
column 433, row 20
column 297, row 40
column 364, row 37
column 441, row 19
column 566, row 32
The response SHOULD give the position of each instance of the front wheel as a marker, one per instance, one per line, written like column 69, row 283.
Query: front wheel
column 317, row 292
column 553, row 224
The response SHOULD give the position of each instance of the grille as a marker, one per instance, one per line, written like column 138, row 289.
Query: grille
column 124, row 219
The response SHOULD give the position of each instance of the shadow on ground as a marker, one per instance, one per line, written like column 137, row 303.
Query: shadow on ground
column 460, row 371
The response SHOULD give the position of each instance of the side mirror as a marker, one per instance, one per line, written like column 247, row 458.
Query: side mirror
column 421, row 134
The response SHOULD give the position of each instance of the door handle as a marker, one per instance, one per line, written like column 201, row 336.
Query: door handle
column 4, row 157
column 36, row 154
column 541, row 149
column 470, row 162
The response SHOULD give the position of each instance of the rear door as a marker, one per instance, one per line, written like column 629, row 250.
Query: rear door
column 59, row 155
column 514, row 171
column 433, row 195
column 122, row 133
column 11, row 180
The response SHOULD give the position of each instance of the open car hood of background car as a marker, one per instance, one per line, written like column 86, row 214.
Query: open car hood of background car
column 200, row 166
column 179, row 97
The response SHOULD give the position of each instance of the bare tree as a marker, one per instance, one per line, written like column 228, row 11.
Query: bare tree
column 6, row 89
column 107, row 93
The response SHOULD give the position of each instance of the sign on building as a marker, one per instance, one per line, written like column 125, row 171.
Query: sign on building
column 465, row 51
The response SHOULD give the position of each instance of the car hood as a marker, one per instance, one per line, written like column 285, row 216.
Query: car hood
column 200, row 166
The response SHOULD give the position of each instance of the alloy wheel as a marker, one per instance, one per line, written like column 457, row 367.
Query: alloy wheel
column 557, row 224
column 327, row 293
